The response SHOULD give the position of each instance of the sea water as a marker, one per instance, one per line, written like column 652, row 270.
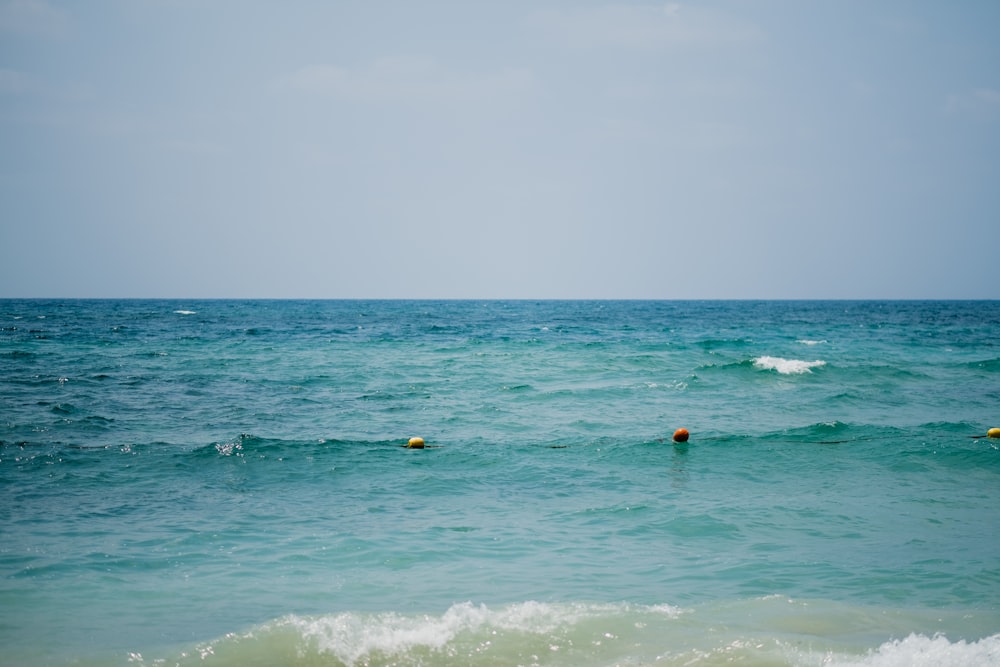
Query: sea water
column 226, row 483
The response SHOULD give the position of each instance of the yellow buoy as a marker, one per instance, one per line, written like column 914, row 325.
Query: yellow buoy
column 416, row 443
column 993, row 433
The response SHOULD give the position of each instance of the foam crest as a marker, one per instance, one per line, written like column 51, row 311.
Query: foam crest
column 787, row 366
column 354, row 638
column 922, row 651
column 466, row 630
column 771, row 631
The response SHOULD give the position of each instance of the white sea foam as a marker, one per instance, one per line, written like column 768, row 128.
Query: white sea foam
column 580, row 634
column 186, row 312
column 922, row 651
column 469, row 630
column 806, row 341
column 787, row 366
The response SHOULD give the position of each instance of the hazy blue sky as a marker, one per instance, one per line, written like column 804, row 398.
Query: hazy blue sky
column 702, row 149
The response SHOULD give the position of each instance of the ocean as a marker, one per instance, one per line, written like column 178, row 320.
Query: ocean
column 219, row 482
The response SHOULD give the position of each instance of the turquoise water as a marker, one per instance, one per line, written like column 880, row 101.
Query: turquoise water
column 224, row 483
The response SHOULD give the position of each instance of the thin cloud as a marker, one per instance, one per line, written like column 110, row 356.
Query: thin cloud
column 33, row 17
column 644, row 27
column 195, row 148
column 13, row 82
column 33, row 101
column 979, row 102
column 408, row 80
column 387, row 79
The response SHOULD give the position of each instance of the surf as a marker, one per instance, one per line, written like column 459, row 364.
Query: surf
column 787, row 366
column 771, row 631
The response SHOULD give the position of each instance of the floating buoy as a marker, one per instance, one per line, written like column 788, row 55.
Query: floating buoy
column 416, row 443
column 681, row 435
column 993, row 433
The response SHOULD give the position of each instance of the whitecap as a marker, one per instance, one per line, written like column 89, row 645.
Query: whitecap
column 787, row 366
column 185, row 312
column 355, row 638
column 922, row 650
column 806, row 341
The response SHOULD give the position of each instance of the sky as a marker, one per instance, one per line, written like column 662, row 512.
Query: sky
column 701, row 149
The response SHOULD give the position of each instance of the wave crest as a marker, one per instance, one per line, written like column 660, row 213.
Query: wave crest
column 934, row 651
column 466, row 634
column 787, row 366
column 583, row 634
column 464, row 631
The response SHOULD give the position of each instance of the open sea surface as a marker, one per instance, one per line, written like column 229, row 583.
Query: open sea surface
column 221, row 483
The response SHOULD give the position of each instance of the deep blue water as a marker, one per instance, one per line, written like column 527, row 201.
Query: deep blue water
column 225, row 483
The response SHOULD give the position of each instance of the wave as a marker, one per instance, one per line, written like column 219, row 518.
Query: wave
column 767, row 363
column 831, row 432
column 249, row 445
column 787, row 366
column 711, row 344
column 985, row 364
column 837, row 432
column 937, row 650
column 765, row 631
column 18, row 355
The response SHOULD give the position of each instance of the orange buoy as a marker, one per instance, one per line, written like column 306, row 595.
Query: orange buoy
column 681, row 435
column 416, row 443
